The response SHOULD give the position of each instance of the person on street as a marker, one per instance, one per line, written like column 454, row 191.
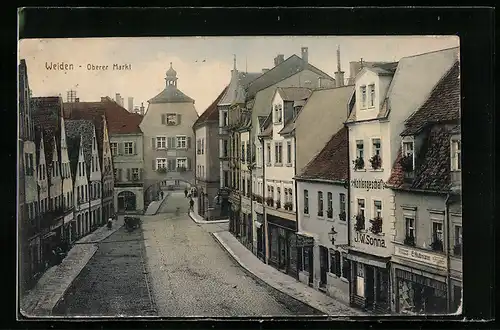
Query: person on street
column 191, row 204
column 185, row 192
column 110, row 223
column 161, row 194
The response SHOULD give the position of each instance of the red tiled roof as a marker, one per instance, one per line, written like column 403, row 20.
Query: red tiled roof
column 212, row 112
column 332, row 162
column 443, row 104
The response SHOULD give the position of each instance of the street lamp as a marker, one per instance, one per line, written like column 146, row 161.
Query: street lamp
column 332, row 234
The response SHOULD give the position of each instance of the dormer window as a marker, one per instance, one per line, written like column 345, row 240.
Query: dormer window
column 407, row 160
column 363, row 96
column 456, row 155
column 170, row 119
column 371, row 95
column 277, row 113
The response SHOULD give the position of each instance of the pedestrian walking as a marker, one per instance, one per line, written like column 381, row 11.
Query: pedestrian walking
column 161, row 194
column 185, row 192
column 191, row 204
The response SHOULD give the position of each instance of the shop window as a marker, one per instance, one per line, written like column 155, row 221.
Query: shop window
column 335, row 263
column 382, row 286
column 457, row 298
column 360, row 281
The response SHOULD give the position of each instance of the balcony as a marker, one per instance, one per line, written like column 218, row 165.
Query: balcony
column 437, row 245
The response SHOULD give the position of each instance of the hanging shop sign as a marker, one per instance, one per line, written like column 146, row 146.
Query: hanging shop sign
column 367, row 239
column 368, row 184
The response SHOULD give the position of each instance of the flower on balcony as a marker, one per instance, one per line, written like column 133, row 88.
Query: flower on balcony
column 161, row 170
column 360, row 222
column 269, row 201
column 409, row 240
column 278, row 204
column 359, row 163
column 288, row 206
column 329, row 213
column 406, row 163
column 342, row 216
column 376, row 227
column 376, row 162
column 437, row 244
column 181, row 169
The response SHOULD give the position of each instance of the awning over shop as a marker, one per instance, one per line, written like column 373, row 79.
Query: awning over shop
column 367, row 259
column 304, row 240
column 48, row 235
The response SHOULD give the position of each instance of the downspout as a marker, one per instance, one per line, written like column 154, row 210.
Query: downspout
column 348, row 218
column 264, row 214
column 448, row 261
column 296, row 199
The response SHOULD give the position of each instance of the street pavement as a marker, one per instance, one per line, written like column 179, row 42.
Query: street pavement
column 192, row 275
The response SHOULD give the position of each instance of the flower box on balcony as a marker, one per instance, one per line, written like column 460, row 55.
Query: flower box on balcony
column 376, row 227
column 437, row 245
column 360, row 222
column 269, row 201
column 329, row 213
column 376, row 162
column 181, row 169
column 457, row 250
column 409, row 240
column 278, row 204
column 359, row 163
column 288, row 206
column 161, row 170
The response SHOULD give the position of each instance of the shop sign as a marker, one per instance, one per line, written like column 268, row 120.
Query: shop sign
column 369, row 240
column 421, row 256
column 303, row 241
column 368, row 184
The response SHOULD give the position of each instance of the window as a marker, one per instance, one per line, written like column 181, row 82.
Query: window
column 342, row 205
column 360, row 149
column 361, row 207
column 181, row 162
column 243, row 152
column 161, row 163
column 181, row 142
column 278, row 152
column 377, row 209
column 171, row 119
column 289, row 152
column 129, row 148
column 437, row 231
column 346, row 269
column 335, row 263
column 376, row 147
column 277, row 113
column 161, row 142
column 225, row 148
column 306, row 201
column 371, row 91
column 135, row 174
column 329, row 201
column 363, row 96
column 410, row 227
column 268, row 153
column 224, row 118
column 93, row 143
column 202, row 146
column 320, row 203
column 456, row 161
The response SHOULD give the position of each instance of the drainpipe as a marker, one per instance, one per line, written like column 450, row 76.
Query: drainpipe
column 264, row 213
column 348, row 217
column 296, row 199
column 447, row 244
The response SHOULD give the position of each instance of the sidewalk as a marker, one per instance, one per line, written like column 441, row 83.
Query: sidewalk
column 198, row 219
column 154, row 206
column 281, row 281
column 40, row 300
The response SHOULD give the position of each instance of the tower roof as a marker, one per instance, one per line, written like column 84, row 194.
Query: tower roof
column 171, row 73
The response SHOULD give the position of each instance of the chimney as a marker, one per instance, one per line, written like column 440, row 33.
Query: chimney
column 279, row 59
column 305, row 54
column 130, row 104
column 77, row 99
column 339, row 75
column 103, row 98
column 264, row 70
column 142, row 108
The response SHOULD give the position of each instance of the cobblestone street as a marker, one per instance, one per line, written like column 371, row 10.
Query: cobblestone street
column 113, row 282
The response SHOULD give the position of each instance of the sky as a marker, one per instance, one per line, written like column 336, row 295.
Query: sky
column 203, row 64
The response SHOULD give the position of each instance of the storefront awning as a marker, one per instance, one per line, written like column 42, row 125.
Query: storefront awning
column 48, row 235
column 369, row 260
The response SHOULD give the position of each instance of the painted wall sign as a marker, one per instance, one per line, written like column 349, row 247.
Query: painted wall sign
column 368, row 184
column 369, row 240
column 421, row 256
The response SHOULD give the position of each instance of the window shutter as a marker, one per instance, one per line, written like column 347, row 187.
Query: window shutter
column 154, row 164
column 153, row 143
column 171, row 164
column 169, row 143
column 163, row 119
column 128, row 175
column 119, row 174
column 140, row 173
column 188, row 164
column 121, row 150
column 178, row 119
column 188, row 143
column 133, row 149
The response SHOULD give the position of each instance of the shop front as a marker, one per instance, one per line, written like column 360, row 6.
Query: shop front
column 305, row 253
column 282, row 244
column 370, row 282
column 419, row 281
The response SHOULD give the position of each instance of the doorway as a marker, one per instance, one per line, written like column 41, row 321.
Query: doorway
column 126, row 201
column 370, row 286
column 323, row 266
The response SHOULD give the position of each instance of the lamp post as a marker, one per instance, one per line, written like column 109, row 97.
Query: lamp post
column 332, row 234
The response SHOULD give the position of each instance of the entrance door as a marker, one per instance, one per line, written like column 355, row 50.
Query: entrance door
column 282, row 252
column 370, row 287
column 323, row 265
column 259, row 242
